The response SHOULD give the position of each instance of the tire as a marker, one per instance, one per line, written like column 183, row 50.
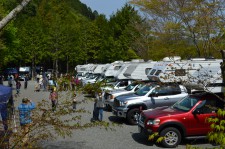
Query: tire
column 132, row 116
column 172, row 137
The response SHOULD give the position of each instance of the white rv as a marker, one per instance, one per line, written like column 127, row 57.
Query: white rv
column 119, row 75
column 188, row 72
column 23, row 71
column 82, row 70
column 139, row 70
column 113, row 68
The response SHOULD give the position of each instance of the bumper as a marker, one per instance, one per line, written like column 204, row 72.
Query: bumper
column 120, row 112
column 143, row 131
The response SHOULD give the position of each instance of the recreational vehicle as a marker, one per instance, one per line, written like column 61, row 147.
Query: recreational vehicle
column 188, row 72
column 119, row 75
column 82, row 70
column 113, row 68
column 138, row 71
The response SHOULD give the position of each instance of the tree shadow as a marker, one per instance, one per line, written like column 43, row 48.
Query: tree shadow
column 142, row 139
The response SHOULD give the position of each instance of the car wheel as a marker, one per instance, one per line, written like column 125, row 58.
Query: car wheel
column 132, row 116
column 172, row 137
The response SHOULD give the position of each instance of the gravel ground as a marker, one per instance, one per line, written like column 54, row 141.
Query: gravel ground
column 123, row 137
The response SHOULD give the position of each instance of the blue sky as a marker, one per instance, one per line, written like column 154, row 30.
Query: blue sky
column 106, row 7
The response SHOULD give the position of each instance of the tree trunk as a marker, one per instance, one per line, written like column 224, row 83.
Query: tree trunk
column 13, row 13
column 223, row 66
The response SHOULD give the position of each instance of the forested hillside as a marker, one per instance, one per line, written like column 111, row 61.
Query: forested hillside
column 61, row 34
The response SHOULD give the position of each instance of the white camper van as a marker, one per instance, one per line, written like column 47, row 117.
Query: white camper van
column 82, row 70
column 23, row 71
column 113, row 68
column 120, row 74
column 139, row 70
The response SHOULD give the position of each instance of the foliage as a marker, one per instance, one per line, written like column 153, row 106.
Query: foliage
column 217, row 134
column 92, row 89
column 193, row 23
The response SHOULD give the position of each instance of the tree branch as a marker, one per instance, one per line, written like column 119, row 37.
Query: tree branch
column 13, row 14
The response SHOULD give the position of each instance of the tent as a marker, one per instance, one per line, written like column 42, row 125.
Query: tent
column 5, row 100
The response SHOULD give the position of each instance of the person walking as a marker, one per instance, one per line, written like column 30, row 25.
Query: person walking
column 26, row 81
column 53, row 97
column 18, row 85
column 25, row 109
column 100, row 106
column 74, row 101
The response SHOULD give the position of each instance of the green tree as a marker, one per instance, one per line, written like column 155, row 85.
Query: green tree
column 193, row 23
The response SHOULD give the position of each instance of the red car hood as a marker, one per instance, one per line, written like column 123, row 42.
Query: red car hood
column 160, row 112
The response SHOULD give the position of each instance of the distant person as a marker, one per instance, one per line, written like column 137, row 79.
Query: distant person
column 95, row 112
column 100, row 106
column 10, row 81
column 18, row 85
column 25, row 109
column 37, row 78
column 26, row 78
column 74, row 101
column 53, row 97
column 72, row 82
column 1, row 79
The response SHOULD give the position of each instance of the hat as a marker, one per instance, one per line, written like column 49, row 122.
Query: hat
column 25, row 99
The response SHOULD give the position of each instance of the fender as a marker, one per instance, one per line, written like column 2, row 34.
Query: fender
column 144, row 107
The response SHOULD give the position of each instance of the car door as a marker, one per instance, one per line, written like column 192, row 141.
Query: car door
column 199, row 124
column 157, row 98
column 164, row 96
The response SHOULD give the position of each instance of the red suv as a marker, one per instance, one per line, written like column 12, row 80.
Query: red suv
column 186, row 119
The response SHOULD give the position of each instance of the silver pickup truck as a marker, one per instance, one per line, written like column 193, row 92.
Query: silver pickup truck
column 150, row 96
column 131, row 88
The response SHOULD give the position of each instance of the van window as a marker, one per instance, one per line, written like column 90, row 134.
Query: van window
column 117, row 67
column 147, row 70
column 180, row 72
column 158, row 72
column 152, row 72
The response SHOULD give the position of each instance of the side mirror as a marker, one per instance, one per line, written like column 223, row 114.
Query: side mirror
column 196, row 111
column 153, row 94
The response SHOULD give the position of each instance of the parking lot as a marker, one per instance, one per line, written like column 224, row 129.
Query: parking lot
column 123, row 136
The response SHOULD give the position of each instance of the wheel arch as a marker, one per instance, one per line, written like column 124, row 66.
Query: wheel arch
column 176, row 125
column 144, row 107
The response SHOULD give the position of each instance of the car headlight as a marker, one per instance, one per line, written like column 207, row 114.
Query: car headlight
column 123, row 103
column 153, row 122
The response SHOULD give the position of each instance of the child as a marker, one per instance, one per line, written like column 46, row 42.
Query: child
column 74, row 101
column 53, row 97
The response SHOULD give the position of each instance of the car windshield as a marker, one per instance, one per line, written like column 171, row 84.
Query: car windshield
column 145, row 89
column 130, row 87
column 186, row 104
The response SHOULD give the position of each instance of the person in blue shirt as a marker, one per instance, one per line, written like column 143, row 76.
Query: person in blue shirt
column 25, row 109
